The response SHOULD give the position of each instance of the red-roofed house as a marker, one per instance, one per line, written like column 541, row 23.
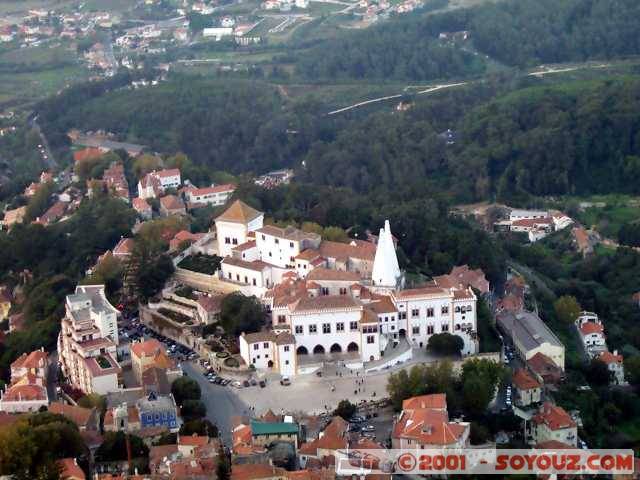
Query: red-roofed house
column 426, row 427
column 86, row 154
column 151, row 353
column 552, row 423
column 209, row 308
column 28, row 389
column 188, row 443
column 544, row 369
column 172, row 205
column 124, row 248
column 591, row 333
column 615, row 365
column 528, row 389
column 435, row 401
column 143, row 208
column 333, row 437
column 215, row 195
column 156, row 182
column 184, row 236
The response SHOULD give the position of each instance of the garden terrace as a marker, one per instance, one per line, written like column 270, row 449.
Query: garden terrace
column 207, row 264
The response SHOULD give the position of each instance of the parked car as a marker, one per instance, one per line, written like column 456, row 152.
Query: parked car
column 263, row 384
column 246, row 383
column 358, row 419
column 237, row 384
column 254, row 382
column 285, row 381
column 368, row 428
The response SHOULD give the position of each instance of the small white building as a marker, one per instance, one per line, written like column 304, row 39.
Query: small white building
column 553, row 423
column 591, row 333
column 615, row 364
column 215, row 195
column 235, row 225
column 528, row 389
column 269, row 351
column 217, row 32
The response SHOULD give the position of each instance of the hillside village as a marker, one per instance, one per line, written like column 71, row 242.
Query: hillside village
column 330, row 316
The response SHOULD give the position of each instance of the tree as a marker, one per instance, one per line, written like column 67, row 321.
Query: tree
column 345, row 409
column 632, row 369
column 192, row 409
column 480, row 379
column 114, row 447
column 445, row 344
column 146, row 163
column 479, row 434
column 30, row 448
column 567, row 309
column 185, row 388
column 597, row 372
column 239, row 313
column 40, row 201
column 93, row 400
column 223, row 470
column 200, row 426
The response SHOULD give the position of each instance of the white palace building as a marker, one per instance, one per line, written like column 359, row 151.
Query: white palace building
column 334, row 301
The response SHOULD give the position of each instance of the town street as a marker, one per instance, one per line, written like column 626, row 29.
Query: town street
column 222, row 402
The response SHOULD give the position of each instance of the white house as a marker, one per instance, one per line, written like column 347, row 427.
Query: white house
column 215, row 195
column 269, row 351
column 430, row 310
column 280, row 246
column 615, row 364
column 528, row 389
column 234, row 226
column 153, row 184
column 553, row 423
column 217, row 32
column 591, row 333
column 518, row 214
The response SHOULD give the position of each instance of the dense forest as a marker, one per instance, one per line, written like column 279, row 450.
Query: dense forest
column 237, row 126
column 579, row 138
column 517, row 33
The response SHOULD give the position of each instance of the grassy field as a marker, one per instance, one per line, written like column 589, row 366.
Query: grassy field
column 608, row 219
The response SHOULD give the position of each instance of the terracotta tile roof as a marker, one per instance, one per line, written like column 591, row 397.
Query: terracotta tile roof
column 245, row 246
column 78, row 415
column 368, row 316
column 554, row 417
column 428, row 427
column 18, row 393
column 383, row 305
column 531, row 222
column 609, row 358
column 170, row 172
column 140, row 204
column 288, row 233
column 193, row 440
column 334, row 437
column 256, row 265
column 70, row 470
column 86, row 154
column 35, row 359
column 124, row 246
column 435, row 400
column 256, row 472
column 55, row 212
column 239, row 212
column 342, row 251
column 320, row 274
column 160, row 452
column 308, row 254
column 171, row 202
column 227, row 187
column 147, row 348
column 325, row 302
column 588, row 328
column 422, row 292
column 542, row 365
column 210, row 303
column 523, row 381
